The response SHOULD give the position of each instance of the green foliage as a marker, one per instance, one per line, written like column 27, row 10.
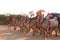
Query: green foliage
column 3, row 19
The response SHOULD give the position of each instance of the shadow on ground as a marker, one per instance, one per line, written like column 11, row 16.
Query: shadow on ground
column 17, row 35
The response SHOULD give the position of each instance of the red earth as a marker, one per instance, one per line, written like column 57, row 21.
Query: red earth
column 6, row 34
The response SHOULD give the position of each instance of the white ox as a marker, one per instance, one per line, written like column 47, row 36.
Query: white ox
column 53, row 25
column 54, row 22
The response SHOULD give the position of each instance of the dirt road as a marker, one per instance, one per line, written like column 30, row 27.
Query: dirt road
column 17, row 35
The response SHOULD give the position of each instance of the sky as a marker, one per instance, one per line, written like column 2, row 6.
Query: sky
column 25, row 6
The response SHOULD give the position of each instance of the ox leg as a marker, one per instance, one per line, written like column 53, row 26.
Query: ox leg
column 15, row 27
column 9, row 27
column 27, row 30
column 56, row 31
column 21, row 30
column 34, row 31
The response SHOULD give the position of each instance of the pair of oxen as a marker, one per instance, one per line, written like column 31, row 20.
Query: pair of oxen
column 38, row 24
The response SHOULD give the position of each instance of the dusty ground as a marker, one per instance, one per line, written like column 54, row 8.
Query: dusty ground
column 17, row 35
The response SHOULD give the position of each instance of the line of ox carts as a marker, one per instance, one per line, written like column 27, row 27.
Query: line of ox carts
column 48, row 26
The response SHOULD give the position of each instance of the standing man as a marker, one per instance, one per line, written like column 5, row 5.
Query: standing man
column 8, row 21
